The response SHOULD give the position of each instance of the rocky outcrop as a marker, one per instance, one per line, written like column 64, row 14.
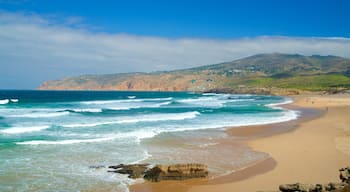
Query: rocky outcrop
column 345, row 175
column 134, row 170
column 300, row 187
column 344, row 186
column 162, row 172
column 176, row 172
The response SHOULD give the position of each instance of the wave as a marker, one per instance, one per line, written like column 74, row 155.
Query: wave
column 287, row 115
column 205, row 101
column 123, row 108
column 14, row 100
column 86, row 124
column 64, row 142
column 4, row 101
column 89, row 110
column 214, row 94
column 162, row 117
column 143, row 105
column 24, row 129
column 42, row 115
column 164, row 103
column 136, row 134
column 137, row 119
column 285, row 102
column 131, row 97
column 102, row 102
column 157, row 99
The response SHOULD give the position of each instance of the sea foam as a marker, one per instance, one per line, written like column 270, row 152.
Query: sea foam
column 24, row 129
column 84, row 110
column 4, row 101
column 103, row 102
column 41, row 114
column 142, row 134
column 140, row 118
column 64, row 142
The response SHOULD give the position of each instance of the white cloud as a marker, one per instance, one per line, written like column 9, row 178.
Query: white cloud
column 34, row 48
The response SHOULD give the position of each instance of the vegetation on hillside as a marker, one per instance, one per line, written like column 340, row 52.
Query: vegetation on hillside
column 284, row 71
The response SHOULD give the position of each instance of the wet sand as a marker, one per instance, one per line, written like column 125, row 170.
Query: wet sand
column 309, row 150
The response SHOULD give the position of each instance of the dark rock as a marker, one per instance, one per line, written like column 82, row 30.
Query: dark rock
column 298, row 187
column 176, row 172
column 345, row 189
column 133, row 170
column 345, row 175
column 334, row 186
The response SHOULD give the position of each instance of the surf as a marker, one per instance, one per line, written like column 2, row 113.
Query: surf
column 24, row 129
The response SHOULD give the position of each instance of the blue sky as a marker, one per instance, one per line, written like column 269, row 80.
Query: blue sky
column 43, row 40
column 201, row 18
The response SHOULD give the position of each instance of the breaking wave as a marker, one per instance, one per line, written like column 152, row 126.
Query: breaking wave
column 24, row 129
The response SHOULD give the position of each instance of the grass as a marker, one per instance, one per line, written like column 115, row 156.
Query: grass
column 309, row 83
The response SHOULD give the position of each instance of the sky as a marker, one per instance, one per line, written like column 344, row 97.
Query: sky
column 43, row 40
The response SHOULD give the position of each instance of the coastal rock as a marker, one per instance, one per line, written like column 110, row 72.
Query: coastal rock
column 133, row 170
column 345, row 175
column 335, row 186
column 345, row 189
column 176, row 172
column 298, row 187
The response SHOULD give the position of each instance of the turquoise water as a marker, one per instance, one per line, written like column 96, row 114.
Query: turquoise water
column 48, row 139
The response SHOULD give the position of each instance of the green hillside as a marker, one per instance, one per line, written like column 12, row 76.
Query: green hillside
column 262, row 71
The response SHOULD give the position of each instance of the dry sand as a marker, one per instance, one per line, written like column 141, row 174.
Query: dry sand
column 311, row 153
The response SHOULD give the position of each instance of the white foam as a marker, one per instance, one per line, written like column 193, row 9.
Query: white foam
column 86, row 124
column 161, row 117
column 164, row 103
column 285, row 102
column 117, row 108
column 4, row 101
column 205, row 101
column 141, row 118
column 131, row 97
column 157, row 99
column 14, row 100
column 24, row 129
column 137, row 106
column 142, row 134
column 65, row 142
column 90, row 110
column 213, row 94
column 102, row 102
column 42, row 115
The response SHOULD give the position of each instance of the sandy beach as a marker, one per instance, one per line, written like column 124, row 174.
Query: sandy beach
column 309, row 150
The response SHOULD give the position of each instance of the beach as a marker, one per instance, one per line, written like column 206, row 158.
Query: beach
column 308, row 150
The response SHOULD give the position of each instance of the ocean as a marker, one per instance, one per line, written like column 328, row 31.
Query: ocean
column 50, row 140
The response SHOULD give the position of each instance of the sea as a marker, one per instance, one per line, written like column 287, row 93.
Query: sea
column 65, row 140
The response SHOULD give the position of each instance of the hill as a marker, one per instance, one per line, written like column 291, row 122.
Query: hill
column 258, row 73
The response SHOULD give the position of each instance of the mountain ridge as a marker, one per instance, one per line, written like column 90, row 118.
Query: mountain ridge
column 261, row 71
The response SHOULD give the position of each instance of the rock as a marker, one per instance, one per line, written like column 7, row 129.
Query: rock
column 345, row 175
column 300, row 187
column 334, row 186
column 176, row 172
column 133, row 170
column 345, row 189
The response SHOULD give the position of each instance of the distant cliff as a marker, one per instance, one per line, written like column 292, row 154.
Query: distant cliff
column 263, row 72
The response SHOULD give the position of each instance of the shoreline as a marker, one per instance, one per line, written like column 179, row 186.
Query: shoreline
column 316, row 108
